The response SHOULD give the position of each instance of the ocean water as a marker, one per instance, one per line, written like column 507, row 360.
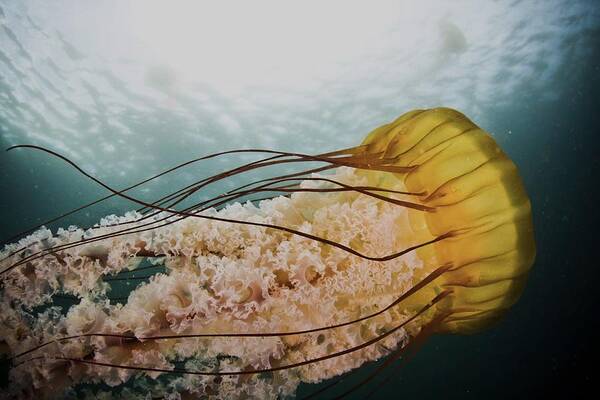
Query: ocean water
column 129, row 88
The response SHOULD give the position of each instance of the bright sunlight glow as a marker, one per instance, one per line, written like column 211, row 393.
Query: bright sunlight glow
column 234, row 44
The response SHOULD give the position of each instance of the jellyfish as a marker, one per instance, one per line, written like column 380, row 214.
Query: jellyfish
column 424, row 228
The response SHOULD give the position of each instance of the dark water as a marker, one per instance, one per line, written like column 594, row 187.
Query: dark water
column 532, row 78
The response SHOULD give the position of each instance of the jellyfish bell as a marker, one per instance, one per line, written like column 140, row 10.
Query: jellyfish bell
column 424, row 227
column 476, row 194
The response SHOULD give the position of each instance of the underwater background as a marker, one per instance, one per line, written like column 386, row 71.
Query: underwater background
column 129, row 88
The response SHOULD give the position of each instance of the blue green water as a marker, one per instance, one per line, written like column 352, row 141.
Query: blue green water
column 126, row 91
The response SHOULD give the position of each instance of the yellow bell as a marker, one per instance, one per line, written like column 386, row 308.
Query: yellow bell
column 477, row 196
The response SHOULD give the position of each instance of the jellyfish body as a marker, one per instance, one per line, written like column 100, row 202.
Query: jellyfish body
column 477, row 195
column 256, row 299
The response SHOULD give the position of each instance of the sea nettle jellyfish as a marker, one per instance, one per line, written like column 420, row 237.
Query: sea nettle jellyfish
column 423, row 228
